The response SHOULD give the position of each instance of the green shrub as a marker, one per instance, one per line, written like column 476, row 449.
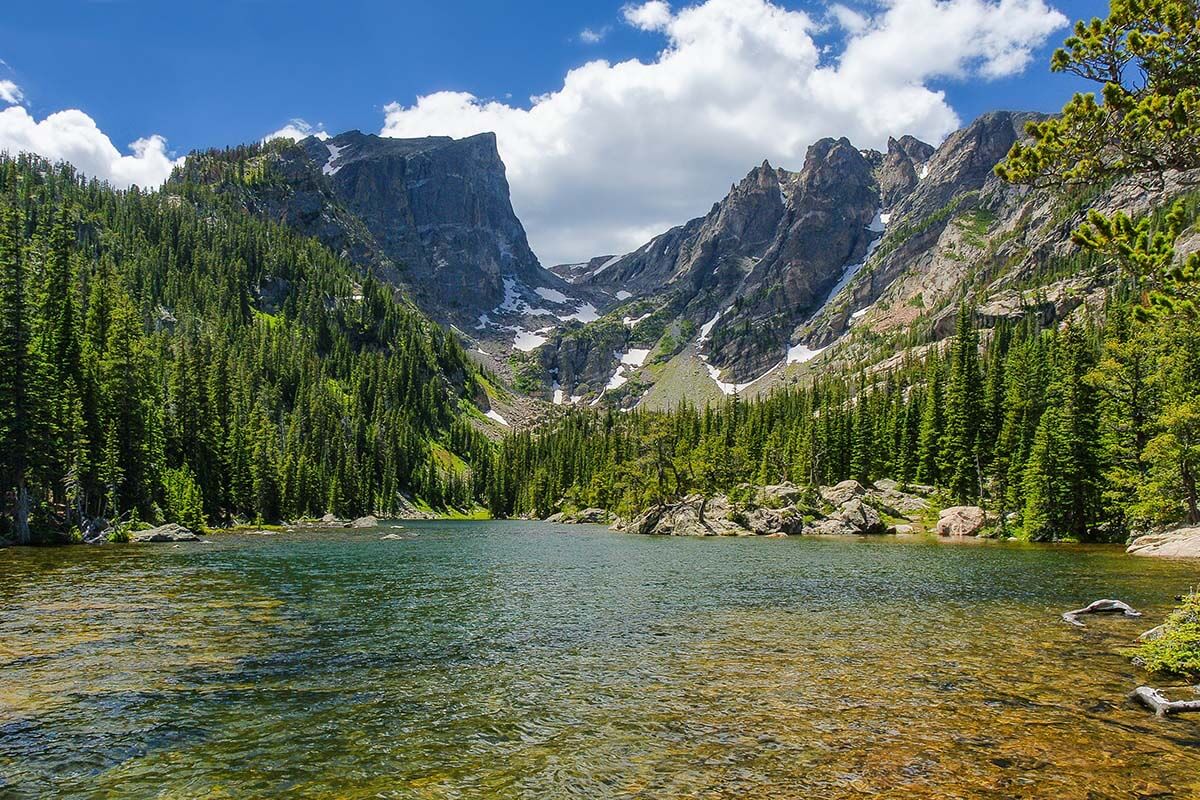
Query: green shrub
column 1177, row 650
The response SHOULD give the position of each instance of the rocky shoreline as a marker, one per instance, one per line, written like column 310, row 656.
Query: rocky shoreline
column 849, row 508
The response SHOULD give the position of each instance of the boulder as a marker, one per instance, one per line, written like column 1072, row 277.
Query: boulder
column 899, row 503
column 692, row 516
column 1178, row 543
column 716, row 516
column 961, row 521
column 590, row 516
column 557, row 518
column 390, row 537
column 365, row 522
column 165, row 533
column 832, row 526
column 903, row 529
column 331, row 519
column 784, row 494
column 861, row 516
column 776, row 521
column 843, row 493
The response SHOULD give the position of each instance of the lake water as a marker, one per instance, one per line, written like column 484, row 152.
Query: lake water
column 523, row 660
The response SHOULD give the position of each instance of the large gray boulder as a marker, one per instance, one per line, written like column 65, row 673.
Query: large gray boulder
column 365, row 522
column 170, row 532
column 961, row 521
column 783, row 494
column 842, row 493
column 863, row 517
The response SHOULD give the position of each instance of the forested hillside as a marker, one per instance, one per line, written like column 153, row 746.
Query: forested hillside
column 164, row 355
column 1084, row 426
column 1084, row 431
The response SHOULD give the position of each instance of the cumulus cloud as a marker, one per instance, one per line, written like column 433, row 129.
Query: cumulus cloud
column 74, row 137
column 296, row 130
column 624, row 150
column 592, row 35
column 652, row 16
column 10, row 93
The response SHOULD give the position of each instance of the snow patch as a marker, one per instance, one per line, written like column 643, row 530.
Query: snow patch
column 553, row 295
column 335, row 152
column 878, row 222
column 495, row 415
column 526, row 341
column 634, row 358
column 624, row 295
column 606, row 265
column 924, row 171
column 585, row 313
column 618, row 379
column 707, row 327
column 631, row 321
column 802, row 352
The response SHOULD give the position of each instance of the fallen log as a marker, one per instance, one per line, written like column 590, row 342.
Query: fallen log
column 1162, row 706
column 1100, row 607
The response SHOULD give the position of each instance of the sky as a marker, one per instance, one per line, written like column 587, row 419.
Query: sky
column 616, row 120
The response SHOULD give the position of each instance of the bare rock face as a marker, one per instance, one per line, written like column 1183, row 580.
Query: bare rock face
column 763, row 259
column 432, row 215
column 961, row 521
column 1177, row 543
column 899, row 170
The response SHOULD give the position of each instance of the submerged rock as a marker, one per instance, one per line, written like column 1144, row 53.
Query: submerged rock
column 165, row 533
column 1178, row 543
column 961, row 521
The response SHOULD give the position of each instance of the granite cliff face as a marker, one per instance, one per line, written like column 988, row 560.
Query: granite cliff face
column 849, row 261
column 431, row 215
column 761, row 260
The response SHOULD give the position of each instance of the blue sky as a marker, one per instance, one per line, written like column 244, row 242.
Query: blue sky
column 206, row 74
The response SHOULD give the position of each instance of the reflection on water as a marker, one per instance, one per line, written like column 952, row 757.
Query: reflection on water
column 480, row 660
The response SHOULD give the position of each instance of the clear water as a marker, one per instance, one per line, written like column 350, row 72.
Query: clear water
column 506, row 660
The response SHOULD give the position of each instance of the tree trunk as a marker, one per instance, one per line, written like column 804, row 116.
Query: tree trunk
column 1189, row 492
column 21, row 513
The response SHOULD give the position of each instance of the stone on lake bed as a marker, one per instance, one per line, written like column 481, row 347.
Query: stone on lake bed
column 391, row 537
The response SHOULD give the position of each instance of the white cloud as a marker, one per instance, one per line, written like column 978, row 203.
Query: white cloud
column 848, row 19
column 10, row 93
column 624, row 149
column 592, row 35
column 296, row 130
column 73, row 136
column 652, row 16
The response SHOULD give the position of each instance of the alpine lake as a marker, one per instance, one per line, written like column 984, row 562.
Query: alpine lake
column 527, row 660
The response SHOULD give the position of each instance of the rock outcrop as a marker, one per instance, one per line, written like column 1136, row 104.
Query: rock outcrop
column 716, row 516
column 1178, row 543
column 164, row 533
column 587, row 516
